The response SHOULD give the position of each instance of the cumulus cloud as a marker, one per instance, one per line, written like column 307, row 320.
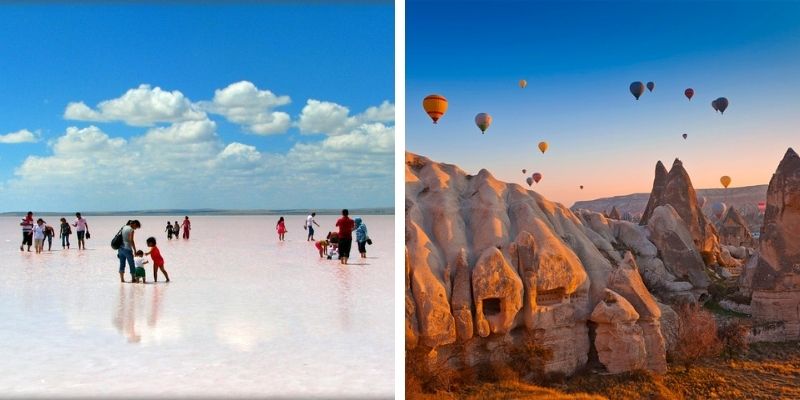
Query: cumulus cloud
column 20, row 136
column 142, row 106
column 188, row 164
column 333, row 119
column 244, row 104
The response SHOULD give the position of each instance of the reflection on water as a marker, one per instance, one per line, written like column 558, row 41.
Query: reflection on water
column 244, row 315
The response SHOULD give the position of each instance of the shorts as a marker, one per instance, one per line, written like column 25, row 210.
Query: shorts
column 318, row 246
column 362, row 247
column 38, row 242
column 81, row 234
column 27, row 238
column 344, row 247
column 139, row 272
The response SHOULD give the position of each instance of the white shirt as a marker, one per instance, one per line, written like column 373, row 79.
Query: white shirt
column 80, row 224
column 309, row 221
column 38, row 231
column 138, row 262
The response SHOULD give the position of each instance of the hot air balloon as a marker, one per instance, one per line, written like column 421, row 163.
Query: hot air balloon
column 529, row 180
column 685, row 136
column 722, row 104
column 523, row 83
column 435, row 105
column 651, row 85
column 701, row 201
column 637, row 89
column 483, row 120
column 718, row 209
column 537, row 177
column 524, row 171
column 543, row 147
column 714, row 104
column 762, row 205
column 581, row 187
column 688, row 93
column 725, row 181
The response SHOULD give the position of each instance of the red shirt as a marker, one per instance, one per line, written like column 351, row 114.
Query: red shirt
column 155, row 254
column 346, row 226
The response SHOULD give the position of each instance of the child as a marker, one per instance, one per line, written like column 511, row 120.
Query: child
column 361, row 237
column 139, row 261
column 169, row 230
column 158, row 261
column 333, row 245
column 66, row 230
column 281, row 228
column 322, row 246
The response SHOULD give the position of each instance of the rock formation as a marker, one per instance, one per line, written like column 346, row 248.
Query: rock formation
column 619, row 341
column 774, row 275
column 614, row 214
column 675, row 189
column 733, row 230
column 494, row 265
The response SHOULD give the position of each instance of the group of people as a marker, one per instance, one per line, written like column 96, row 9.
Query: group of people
column 175, row 230
column 128, row 252
column 37, row 233
column 338, row 244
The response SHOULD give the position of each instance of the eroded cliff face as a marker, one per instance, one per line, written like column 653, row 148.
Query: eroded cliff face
column 491, row 264
column 774, row 276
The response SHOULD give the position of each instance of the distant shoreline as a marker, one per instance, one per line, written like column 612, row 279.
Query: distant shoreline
column 209, row 212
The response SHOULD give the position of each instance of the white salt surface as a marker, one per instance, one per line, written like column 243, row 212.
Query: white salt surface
column 244, row 315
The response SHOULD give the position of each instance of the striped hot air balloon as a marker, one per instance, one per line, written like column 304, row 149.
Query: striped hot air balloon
column 435, row 105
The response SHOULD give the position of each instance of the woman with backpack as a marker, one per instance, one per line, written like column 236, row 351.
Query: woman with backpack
column 66, row 230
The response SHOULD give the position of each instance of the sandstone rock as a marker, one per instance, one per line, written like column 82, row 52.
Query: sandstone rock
column 737, row 252
column 676, row 189
column 681, row 258
column 498, row 293
column 627, row 282
column 534, row 268
column 775, row 279
column 462, row 298
column 412, row 331
column 733, row 229
column 669, row 326
column 619, row 341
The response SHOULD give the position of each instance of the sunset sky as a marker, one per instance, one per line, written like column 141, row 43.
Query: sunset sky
column 251, row 105
column 577, row 98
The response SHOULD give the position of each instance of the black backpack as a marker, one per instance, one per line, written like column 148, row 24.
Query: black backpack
column 116, row 242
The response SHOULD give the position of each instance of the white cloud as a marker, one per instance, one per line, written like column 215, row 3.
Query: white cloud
column 333, row 119
column 21, row 136
column 142, row 106
column 244, row 104
column 187, row 164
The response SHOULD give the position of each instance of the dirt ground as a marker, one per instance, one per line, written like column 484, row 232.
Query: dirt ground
column 768, row 371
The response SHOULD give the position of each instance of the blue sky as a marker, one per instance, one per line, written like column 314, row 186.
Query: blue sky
column 249, row 148
column 579, row 59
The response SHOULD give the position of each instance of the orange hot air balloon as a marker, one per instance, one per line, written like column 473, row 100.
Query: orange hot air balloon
column 537, row 177
column 725, row 180
column 688, row 93
column 523, row 83
column 543, row 147
column 435, row 105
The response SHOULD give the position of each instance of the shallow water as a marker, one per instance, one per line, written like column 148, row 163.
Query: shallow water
column 243, row 316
